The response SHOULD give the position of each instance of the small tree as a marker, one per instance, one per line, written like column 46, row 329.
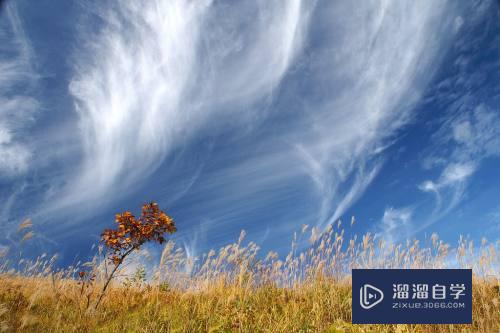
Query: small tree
column 132, row 233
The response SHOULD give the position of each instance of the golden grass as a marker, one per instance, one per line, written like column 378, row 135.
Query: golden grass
column 235, row 290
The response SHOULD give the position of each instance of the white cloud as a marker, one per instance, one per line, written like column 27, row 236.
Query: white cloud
column 462, row 132
column 156, row 74
column 17, row 108
column 452, row 174
column 473, row 136
column 365, row 76
column 395, row 224
column 457, row 172
column 459, row 21
column 428, row 186
column 470, row 128
column 149, row 78
column 372, row 68
column 14, row 159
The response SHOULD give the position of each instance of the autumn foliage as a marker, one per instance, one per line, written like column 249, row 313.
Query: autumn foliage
column 133, row 232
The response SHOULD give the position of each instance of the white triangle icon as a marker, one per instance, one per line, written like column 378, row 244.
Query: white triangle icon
column 367, row 293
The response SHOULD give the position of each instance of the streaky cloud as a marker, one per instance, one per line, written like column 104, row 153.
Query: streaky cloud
column 150, row 78
column 373, row 64
column 474, row 135
column 17, row 107
column 155, row 74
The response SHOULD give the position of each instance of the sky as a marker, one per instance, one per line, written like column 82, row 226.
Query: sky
column 249, row 115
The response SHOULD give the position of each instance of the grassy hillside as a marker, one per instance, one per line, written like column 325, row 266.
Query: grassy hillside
column 39, row 305
column 232, row 290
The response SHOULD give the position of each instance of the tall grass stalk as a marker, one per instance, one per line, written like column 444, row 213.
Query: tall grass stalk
column 237, row 289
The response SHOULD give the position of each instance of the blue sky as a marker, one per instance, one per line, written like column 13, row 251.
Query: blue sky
column 252, row 115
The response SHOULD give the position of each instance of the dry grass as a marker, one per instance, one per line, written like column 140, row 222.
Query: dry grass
column 236, row 290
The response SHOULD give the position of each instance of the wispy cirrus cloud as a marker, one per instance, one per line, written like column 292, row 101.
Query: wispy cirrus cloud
column 308, row 96
column 373, row 66
column 156, row 74
column 465, row 141
column 468, row 124
column 469, row 131
column 18, row 112
column 17, row 107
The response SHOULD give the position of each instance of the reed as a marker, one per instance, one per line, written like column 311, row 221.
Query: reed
column 236, row 288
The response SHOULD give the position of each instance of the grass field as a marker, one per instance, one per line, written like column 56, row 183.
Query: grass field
column 232, row 290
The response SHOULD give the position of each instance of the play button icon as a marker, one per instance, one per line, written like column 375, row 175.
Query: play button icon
column 369, row 296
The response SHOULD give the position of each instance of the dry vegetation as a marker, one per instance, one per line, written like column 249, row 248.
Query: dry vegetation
column 235, row 289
